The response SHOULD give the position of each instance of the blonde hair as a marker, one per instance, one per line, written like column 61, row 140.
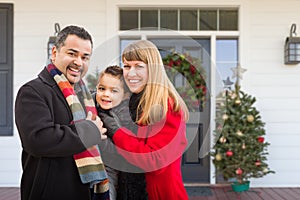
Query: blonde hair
column 159, row 88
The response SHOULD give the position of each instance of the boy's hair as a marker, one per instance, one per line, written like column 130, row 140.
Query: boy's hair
column 72, row 30
column 115, row 71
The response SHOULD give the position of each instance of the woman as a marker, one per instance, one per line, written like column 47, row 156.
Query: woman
column 159, row 142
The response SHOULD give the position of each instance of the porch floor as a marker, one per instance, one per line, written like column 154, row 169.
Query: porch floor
column 222, row 192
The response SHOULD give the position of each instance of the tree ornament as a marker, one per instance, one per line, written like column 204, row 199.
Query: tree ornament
column 225, row 117
column 238, row 72
column 222, row 139
column 238, row 101
column 218, row 157
column 265, row 170
column 239, row 133
column 239, row 171
column 233, row 96
column 250, row 118
column 227, row 83
column 243, row 146
column 229, row 153
column 258, row 163
column 260, row 139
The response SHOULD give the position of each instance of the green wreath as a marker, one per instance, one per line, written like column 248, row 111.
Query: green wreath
column 193, row 93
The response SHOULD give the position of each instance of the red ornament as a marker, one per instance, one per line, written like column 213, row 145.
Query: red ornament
column 192, row 69
column 260, row 139
column 229, row 153
column 257, row 163
column 177, row 63
column 171, row 63
column 239, row 171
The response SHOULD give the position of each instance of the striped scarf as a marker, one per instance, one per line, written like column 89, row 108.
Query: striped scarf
column 89, row 163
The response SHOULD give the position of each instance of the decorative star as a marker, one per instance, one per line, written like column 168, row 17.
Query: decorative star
column 227, row 82
column 238, row 72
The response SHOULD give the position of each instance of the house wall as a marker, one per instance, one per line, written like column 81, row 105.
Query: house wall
column 275, row 86
column 264, row 25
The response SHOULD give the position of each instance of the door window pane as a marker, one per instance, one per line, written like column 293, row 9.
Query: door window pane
column 188, row 20
column 226, row 58
column 128, row 19
column 228, row 20
column 168, row 19
column 208, row 20
column 149, row 19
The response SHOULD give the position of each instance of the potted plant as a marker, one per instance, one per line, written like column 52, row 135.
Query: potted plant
column 240, row 149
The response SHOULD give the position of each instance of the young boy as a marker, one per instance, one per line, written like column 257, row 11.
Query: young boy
column 112, row 94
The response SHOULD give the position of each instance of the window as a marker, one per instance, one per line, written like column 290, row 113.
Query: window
column 228, row 20
column 149, row 19
column 188, row 19
column 128, row 19
column 168, row 19
column 208, row 20
column 226, row 58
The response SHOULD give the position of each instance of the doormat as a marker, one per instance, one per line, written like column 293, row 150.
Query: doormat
column 194, row 191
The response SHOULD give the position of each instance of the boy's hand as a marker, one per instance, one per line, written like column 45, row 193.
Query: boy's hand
column 97, row 121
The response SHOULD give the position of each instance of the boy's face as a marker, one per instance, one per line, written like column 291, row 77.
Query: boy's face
column 110, row 91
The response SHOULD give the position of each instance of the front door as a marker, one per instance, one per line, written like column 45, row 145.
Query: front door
column 195, row 163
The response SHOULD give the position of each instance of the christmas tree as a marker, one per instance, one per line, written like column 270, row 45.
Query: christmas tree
column 240, row 148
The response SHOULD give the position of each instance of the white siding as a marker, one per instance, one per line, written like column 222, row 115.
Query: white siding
column 275, row 87
column 10, row 159
column 264, row 25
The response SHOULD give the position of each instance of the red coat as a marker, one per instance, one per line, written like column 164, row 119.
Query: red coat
column 157, row 149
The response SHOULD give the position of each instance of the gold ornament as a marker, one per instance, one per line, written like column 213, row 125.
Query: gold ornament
column 239, row 133
column 265, row 170
column 238, row 101
column 250, row 118
column 224, row 117
column 222, row 139
column 218, row 157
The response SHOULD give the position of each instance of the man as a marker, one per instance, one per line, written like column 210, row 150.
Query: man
column 52, row 133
